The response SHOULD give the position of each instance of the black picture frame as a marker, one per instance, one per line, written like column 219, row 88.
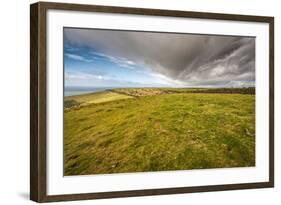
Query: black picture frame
column 38, row 103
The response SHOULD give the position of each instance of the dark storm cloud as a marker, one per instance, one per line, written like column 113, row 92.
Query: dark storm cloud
column 191, row 59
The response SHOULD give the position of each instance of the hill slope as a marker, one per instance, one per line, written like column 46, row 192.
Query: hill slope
column 172, row 131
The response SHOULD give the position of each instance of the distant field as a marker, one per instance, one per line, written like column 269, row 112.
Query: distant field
column 94, row 98
column 139, row 92
column 157, row 129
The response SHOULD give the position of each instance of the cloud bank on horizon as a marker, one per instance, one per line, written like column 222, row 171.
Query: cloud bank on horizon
column 111, row 58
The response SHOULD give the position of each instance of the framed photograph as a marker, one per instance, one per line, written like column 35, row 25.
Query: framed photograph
column 134, row 102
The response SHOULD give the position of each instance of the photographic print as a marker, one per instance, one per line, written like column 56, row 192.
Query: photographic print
column 139, row 101
column 131, row 102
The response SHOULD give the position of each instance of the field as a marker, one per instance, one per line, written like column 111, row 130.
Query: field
column 158, row 129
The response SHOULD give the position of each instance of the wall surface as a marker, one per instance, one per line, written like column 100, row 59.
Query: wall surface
column 14, row 103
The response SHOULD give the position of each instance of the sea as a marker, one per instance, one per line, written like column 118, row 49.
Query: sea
column 71, row 91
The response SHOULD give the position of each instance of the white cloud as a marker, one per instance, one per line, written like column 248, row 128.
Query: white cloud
column 167, row 81
column 77, row 57
column 82, row 76
column 122, row 62
column 241, row 84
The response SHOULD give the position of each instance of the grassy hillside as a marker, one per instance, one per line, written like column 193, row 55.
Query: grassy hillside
column 93, row 98
column 126, row 130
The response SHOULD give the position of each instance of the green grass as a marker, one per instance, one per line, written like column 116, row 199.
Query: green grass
column 159, row 132
column 94, row 98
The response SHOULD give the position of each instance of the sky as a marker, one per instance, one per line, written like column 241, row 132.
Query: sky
column 113, row 58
